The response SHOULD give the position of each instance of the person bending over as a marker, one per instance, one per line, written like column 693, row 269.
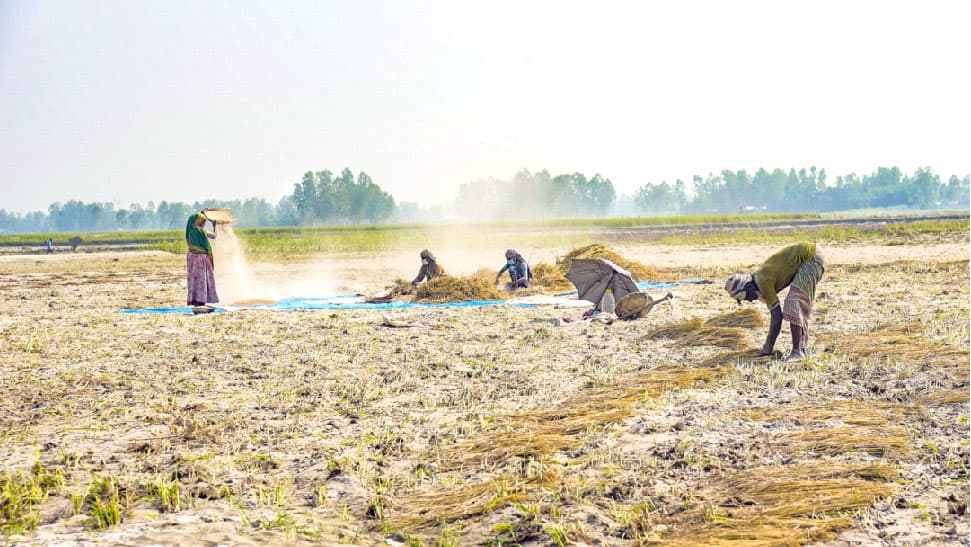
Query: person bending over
column 798, row 267
column 519, row 274
column 430, row 268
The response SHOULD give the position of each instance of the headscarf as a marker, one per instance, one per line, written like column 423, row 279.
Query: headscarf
column 427, row 254
column 512, row 254
column 196, row 237
column 735, row 285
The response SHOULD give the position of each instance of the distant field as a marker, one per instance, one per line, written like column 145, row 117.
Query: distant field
column 271, row 243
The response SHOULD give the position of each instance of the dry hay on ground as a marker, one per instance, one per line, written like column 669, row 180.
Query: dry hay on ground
column 598, row 250
column 902, row 343
column 746, row 318
column 879, row 442
column 447, row 288
column 723, row 337
column 723, row 330
column 847, row 411
column 551, row 278
column 488, row 275
column 470, row 500
column 547, row 432
column 677, row 330
column 782, row 505
column 948, row 397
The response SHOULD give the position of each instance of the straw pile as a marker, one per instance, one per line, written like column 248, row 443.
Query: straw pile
column 949, row 397
column 469, row 500
column 725, row 330
column 846, row 411
column 551, row 278
column 722, row 337
column 746, row 318
column 446, row 288
column 840, row 440
column 598, row 250
column 903, row 343
column 676, row 330
column 539, row 434
column 545, row 432
column 783, row 505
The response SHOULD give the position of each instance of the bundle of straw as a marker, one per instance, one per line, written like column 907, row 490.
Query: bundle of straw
column 598, row 250
column 446, row 288
column 746, row 318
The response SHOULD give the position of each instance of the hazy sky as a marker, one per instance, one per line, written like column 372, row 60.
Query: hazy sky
column 132, row 101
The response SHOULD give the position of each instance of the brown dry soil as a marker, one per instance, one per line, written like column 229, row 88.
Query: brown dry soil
column 490, row 425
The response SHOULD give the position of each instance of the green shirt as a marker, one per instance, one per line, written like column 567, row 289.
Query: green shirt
column 779, row 269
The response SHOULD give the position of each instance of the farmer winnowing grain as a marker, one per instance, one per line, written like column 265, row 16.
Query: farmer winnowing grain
column 198, row 261
column 519, row 274
column 798, row 267
column 430, row 268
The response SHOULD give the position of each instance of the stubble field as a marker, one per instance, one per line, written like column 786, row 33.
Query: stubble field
column 488, row 425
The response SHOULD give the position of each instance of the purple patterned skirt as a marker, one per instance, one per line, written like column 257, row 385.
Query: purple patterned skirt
column 202, row 282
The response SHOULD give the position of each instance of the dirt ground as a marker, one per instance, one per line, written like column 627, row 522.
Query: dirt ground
column 489, row 425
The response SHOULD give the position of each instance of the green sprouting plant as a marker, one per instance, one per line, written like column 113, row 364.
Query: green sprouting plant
column 281, row 521
column 449, row 536
column 275, row 496
column 106, row 512
column 107, row 502
column 320, row 495
column 557, row 534
column 77, row 501
column 168, row 493
column 22, row 492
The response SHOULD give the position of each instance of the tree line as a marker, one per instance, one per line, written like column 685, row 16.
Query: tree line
column 805, row 190
column 323, row 198
column 536, row 195
column 319, row 199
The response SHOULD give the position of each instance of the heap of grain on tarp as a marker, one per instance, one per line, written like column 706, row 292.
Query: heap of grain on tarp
column 552, row 277
column 400, row 288
column 598, row 250
column 447, row 288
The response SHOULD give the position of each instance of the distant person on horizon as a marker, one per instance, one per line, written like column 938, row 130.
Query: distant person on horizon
column 798, row 267
column 430, row 268
column 519, row 272
column 199, row 264
column 50, row 246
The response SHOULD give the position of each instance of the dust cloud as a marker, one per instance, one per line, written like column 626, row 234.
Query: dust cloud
column 461, row 250
column 239, row 281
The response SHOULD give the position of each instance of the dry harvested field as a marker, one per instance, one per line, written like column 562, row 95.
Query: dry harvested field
column 490, row 425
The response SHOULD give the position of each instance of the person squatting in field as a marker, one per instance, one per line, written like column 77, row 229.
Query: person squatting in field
column 198, row 261
column 798, row 267
column 430, row 268
column 519, row 272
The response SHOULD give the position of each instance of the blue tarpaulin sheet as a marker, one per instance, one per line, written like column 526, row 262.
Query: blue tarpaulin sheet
column 355, row 302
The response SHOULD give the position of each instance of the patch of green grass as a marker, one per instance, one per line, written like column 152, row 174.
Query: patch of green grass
column 296, row 242
column 106, row 503
column 897, row 233
column 22, row 492
column 168, row 493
